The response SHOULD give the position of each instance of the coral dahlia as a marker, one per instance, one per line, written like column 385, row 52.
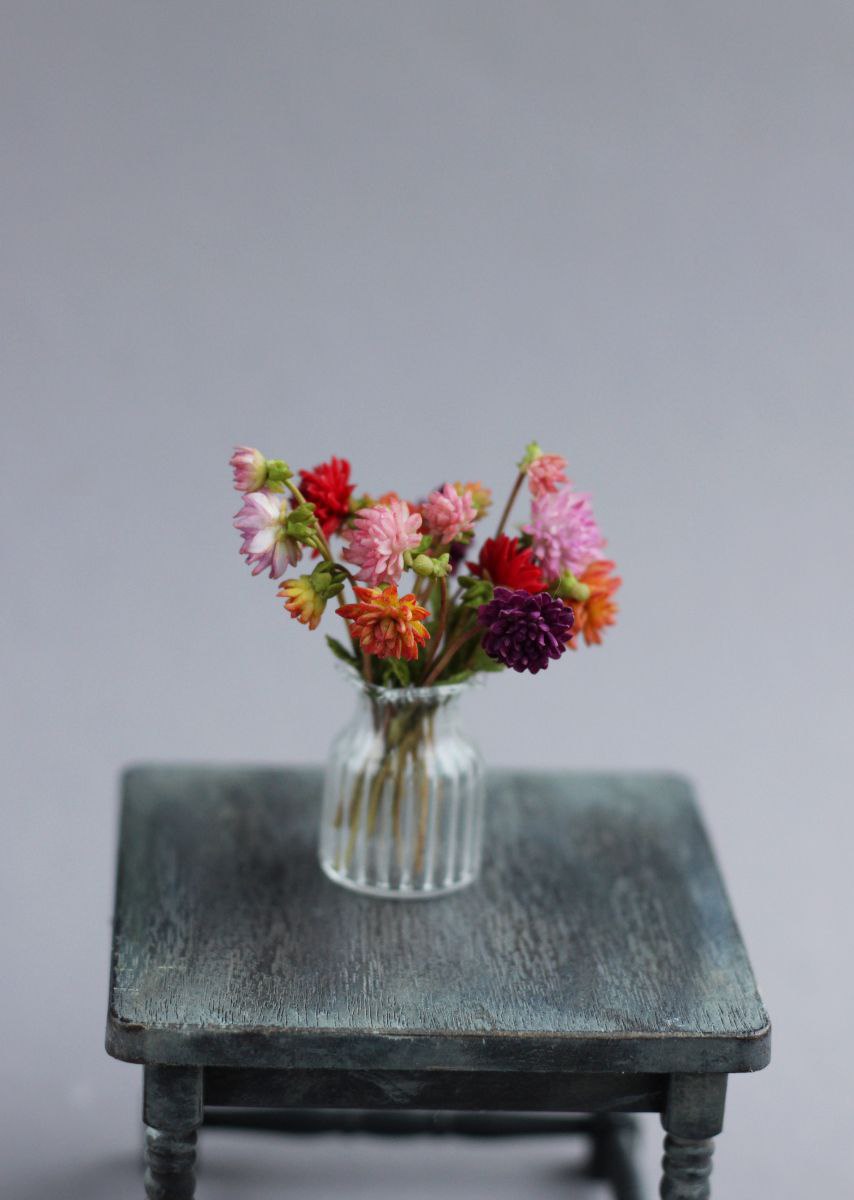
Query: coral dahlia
column 449, row 514
column 507, row 564
column 525, row 632
column 327, row 486
column 546, row 473
column 385, row 624
column 262, row 522
column 599, row 609
column 378, row 538
column 564, row 533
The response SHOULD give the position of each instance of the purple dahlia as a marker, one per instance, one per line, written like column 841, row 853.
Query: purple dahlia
column 524, row 631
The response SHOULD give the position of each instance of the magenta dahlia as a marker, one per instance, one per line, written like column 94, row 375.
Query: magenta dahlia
column 525, row 631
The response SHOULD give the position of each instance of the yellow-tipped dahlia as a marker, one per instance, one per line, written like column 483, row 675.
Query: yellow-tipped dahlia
column 385, row 624
column 303, row 601
column 481, row 496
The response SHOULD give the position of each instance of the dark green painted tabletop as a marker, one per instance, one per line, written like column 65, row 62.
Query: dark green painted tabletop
column 599, row 937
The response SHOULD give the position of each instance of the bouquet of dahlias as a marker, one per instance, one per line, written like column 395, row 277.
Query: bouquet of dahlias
column 521, row 601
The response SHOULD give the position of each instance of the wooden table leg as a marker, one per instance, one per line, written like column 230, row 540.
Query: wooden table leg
column 693, row 1116
column 172, row 1111
column 614, row 1137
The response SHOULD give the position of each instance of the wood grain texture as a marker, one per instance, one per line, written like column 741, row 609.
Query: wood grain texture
column 599, row 937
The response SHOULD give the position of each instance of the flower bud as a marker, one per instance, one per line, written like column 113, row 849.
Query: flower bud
column 250, row 469
column 327, row 579
column 301, row 523
column 570, row 588
column 278, row 472
column 422, row 564
column 442, row 565
column 532, row 452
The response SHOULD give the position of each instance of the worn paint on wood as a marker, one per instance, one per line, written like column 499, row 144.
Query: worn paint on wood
column 599, row 937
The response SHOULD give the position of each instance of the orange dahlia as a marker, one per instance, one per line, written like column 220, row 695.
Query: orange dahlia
column 598, row 610
column 385, row 624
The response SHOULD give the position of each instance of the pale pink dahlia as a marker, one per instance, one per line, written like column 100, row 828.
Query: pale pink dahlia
column 266, row 543
column 564, row 533
column 378, row 538
column 546, row 473
column 447, row 513
column 250, row 468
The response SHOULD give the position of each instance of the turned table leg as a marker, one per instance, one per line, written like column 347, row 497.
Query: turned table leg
column 693, row 1116
column 172, row 1111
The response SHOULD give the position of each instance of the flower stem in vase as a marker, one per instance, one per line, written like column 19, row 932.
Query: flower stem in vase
column 403, row 751
column 376, row 792
column 353, row 818
column 423, row 809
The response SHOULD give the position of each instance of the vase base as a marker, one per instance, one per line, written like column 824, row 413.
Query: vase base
column 384, row 891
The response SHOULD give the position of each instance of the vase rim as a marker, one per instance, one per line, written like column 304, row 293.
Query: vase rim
column 410, row 693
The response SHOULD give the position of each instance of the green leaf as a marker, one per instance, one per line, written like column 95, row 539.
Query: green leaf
column 475, row 592
column 482, row 662
column 396, row 670
column 341, row 651
column 459, row 677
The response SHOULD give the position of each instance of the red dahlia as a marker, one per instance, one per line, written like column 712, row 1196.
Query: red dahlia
column 508, row 565
column 329, row 489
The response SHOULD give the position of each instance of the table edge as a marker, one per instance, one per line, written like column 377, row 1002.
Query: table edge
column 259, row 1046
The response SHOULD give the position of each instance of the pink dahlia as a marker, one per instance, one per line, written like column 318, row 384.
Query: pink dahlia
column 546, row 473
column 564, row 533
column 448, row 513
column 250, row 468
column 378, row 538
column 262, row 523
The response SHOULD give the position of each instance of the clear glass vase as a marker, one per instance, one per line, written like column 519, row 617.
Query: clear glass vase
column 403, row 795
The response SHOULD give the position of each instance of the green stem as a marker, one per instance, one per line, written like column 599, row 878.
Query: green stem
column 377, row 786
column 511, row 500
column 457, row 643
column 423, row 811
column 440, row 627
column 403, row 750
column 322, row 544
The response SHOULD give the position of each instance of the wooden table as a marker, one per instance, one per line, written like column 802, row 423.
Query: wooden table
column 595, row 968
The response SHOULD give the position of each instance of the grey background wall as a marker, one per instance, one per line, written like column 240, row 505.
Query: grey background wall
column 421, row 234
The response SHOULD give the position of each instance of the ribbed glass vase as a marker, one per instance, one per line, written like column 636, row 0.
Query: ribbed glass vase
column 403, row 795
